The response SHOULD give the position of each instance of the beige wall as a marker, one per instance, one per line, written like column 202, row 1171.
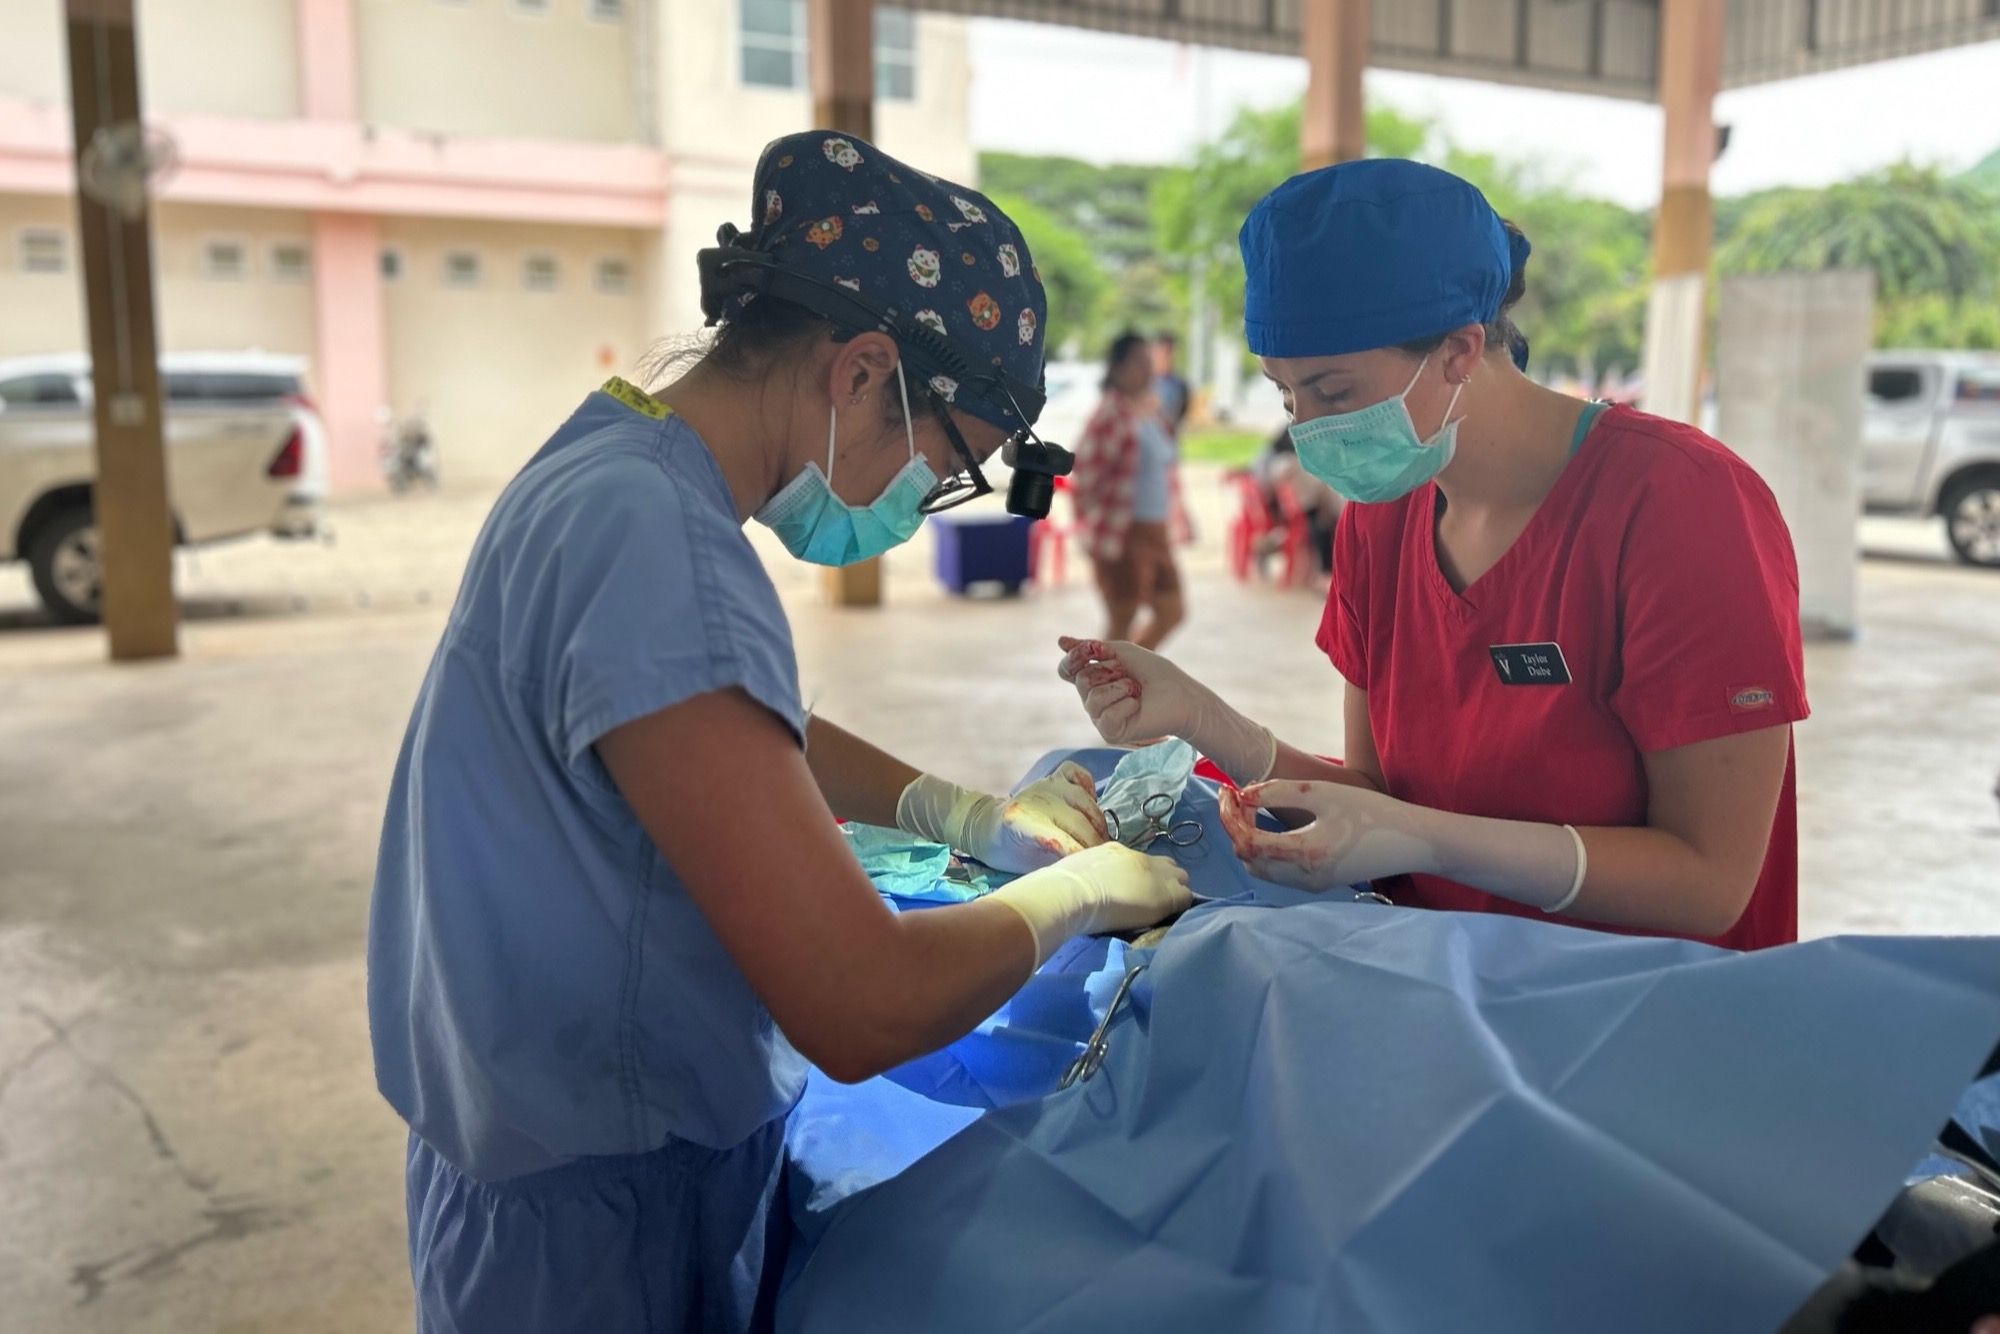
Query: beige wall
column 715, row 126
column 44, row 312
column 33, row 57
column 483, row 67
column 39, row 312
column 257, row 311
column 706, row 109
column 219, row 57
column 497, row 368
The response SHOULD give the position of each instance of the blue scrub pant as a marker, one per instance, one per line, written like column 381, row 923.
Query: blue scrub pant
column 679, row 1239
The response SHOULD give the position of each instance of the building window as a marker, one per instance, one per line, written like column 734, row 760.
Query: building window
column 608, row 11
column 539, row 273
column 531, row 6
column 774, row 43
column 225, row 261
column 462, row 268
column 291, row 262
column 392, row 264
column 895, row 54
column 614, row 276
column 44, row 250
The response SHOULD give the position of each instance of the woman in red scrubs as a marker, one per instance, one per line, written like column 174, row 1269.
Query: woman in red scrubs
column 1569, row 633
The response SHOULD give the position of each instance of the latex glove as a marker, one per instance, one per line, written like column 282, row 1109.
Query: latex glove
column 1359, row 834
column 1046, row 821
column 1134, row 696
column 1105, row 888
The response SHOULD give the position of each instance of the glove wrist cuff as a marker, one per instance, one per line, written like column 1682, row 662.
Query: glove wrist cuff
column 936, row 809
column 1247, row 751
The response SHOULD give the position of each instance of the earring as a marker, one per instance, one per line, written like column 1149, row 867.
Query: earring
column 857, row 398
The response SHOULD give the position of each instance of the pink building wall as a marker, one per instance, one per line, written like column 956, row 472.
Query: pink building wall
column 349, row 175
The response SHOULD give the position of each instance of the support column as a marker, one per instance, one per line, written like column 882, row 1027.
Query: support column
column 840, row 51
column 1333, row 37
column 351, row 358
column 135, row 527
column 350, row 361
column 329, row 69
column 1677, row 307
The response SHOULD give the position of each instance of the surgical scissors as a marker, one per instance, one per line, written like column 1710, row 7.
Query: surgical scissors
column 1157, row 812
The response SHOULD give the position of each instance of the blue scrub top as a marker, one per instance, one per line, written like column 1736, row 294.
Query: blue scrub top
column 540, row 984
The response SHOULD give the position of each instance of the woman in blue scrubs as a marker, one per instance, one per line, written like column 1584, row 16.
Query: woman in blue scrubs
column 613, row 916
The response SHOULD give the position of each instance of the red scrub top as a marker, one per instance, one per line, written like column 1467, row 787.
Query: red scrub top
column 1657, row 576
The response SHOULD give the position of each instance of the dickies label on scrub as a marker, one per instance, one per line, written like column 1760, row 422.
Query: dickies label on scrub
column 1751, row 698
column 1530, row 664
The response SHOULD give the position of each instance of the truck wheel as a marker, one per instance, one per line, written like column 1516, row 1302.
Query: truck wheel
column 68, row 570
column 1972, row 519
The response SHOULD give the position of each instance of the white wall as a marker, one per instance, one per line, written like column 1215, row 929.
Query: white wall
column 219, row 57
column 34, row 63
column 714, row 127
column 707, row 111
column 39, row 312
column 497, row 368
column 485, row 67
column 257, row 311
column 224, row 57
column 44, row 312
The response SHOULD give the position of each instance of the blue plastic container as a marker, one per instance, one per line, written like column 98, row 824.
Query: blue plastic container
column 981, row 549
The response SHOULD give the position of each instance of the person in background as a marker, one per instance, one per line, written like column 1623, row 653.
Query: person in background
column 1176, row 397
column 1277, row 465
column 1173, row 392
column 1123, row 492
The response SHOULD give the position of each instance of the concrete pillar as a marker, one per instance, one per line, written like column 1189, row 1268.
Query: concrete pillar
column 350, row 344
column 1333, row 37
column 135, row 530
column 329, row 75
column 351, row 364
column 1677, row 308
column 840, row 52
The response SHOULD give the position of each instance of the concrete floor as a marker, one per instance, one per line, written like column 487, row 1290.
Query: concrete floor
column 189, row 1134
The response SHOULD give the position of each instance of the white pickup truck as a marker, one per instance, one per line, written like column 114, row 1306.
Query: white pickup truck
column 246, row 453
column 1930, row 444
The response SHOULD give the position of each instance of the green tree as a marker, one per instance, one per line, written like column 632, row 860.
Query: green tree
column 1985, row 177
column 1585, row 305
column 1070, row 270
column 1933, row 242
column 1105, row 205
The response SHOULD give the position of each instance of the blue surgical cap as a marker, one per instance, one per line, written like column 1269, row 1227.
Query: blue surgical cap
column 1371, row 254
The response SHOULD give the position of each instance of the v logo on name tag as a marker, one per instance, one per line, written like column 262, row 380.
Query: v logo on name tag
column 1530, row 664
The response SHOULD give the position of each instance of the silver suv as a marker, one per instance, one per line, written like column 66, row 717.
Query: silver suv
column 246, row 453
column 1930, row 444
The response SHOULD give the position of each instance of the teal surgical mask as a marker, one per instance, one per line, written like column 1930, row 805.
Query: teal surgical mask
column 818, row 526
column 1375, row 454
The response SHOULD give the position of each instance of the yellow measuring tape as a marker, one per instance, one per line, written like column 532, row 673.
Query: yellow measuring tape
column 636, row 398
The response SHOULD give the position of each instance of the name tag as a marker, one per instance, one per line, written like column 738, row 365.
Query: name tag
column 1530, row 664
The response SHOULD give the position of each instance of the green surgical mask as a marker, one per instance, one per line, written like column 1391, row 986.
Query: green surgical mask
column 1375, row 454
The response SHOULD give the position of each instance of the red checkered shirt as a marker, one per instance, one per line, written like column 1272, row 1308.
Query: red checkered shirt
column 1107, row 471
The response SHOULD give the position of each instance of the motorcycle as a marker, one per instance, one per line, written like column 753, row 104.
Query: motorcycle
column 409, row 456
